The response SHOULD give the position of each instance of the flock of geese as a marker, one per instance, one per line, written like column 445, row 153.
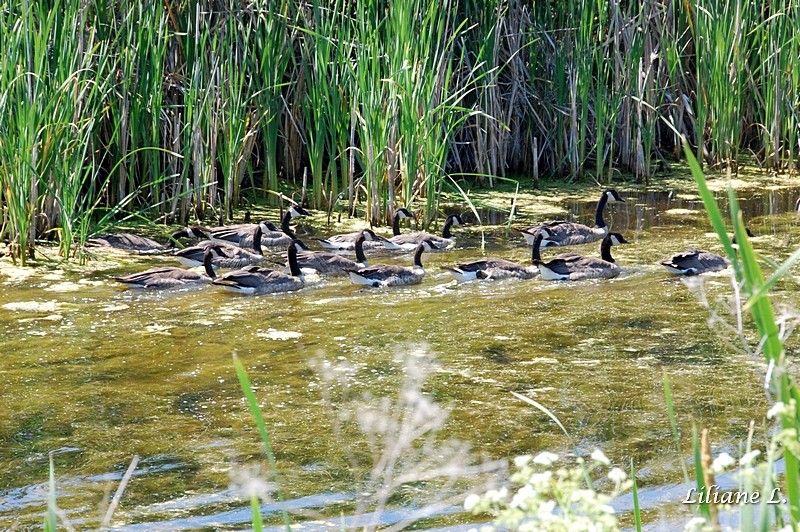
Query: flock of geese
column 240, row 248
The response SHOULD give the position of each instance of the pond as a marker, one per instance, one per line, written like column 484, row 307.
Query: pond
column 96, row 373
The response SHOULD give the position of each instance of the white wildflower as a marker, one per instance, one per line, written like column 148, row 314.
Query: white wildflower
column 540, row 480
column 776, row 409
column 495, row 496
column 523, row 497
column 722, row 462
column 545, row 458
column 598, row 456
column 546, row 509
column 749, row 457
column 617, row 475
column 471, row 501
column 523, row 460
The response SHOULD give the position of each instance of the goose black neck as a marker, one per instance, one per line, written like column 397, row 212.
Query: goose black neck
column 446, row 230
column 605, row 250
column 207, row 257
column 285, row 224
column 536, row 255
column 257, row 241
column 418, row 256
column 396, row 224
column 294, row 267
column 360, row 257
column 181, row 233
column 598, row 217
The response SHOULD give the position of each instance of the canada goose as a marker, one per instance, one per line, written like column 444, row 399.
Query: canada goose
column 128, row 242
column 347, row 241
column 283, row 237
column 574, row 267
column 409, row 241
column 390, row 275
column 495, row 268
column 242, row 235
column 229, row 256
column 569, row 233
column 170, row 276
column 326, row 262
column 257, row 280
column 694, row 261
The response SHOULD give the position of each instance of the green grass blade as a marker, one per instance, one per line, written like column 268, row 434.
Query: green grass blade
column 258, row 522
column 247, row 389
column 637, row 514
column 698, row 473
column 50, row 523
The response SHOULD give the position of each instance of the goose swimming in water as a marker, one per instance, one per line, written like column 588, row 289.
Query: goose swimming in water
column 565, row 233
column 128, row 242
column 495, row 268
column 328, row 263
column 409, row 241
column 242, row 235
column 574, row 267
column 390, row 275
column 347, row 241
column 693, row 262
column 170, row 276
column 229, row 256
column 258, row 280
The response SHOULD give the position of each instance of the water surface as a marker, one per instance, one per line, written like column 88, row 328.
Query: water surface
column 95, row 373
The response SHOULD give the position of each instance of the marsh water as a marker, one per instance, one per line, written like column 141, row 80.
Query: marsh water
column 95, row 373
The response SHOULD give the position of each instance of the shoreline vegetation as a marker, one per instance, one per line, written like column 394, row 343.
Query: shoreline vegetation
column 183, row 111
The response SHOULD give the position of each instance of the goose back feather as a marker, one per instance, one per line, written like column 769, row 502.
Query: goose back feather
column 389, row 274
column 575, row 267
column 693, row 262
column 564, row 233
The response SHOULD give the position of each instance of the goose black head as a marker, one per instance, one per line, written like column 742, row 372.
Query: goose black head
column 613, row 196
column 456, row 219
column 265, row 226
column 616, row 238
column 194, row 231
column 215, row 250
column 403, row 213
column 299, row 245
column 297, row 210
column 749, row 234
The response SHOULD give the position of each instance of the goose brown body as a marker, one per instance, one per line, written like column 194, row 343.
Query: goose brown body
column 693, row 262
column 564, row 233
column 575, row 267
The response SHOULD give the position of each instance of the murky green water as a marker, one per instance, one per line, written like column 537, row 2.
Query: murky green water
column 97, row 373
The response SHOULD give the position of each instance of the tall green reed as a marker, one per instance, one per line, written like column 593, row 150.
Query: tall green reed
column 722, row 76
column 272, row 56
column 755, row 289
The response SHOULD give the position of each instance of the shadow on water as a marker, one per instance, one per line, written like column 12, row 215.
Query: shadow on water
column 100, row 373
